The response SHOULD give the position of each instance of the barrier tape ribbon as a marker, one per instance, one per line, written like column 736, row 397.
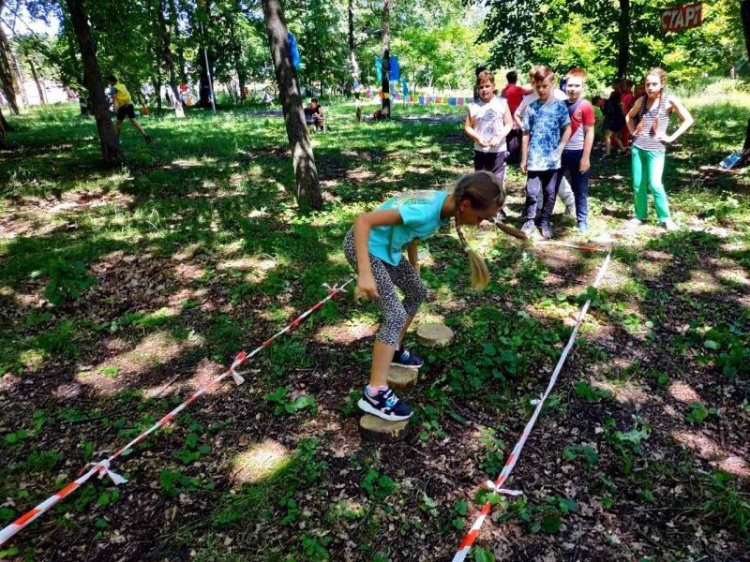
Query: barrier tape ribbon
column 497, row 485
column 103, row 467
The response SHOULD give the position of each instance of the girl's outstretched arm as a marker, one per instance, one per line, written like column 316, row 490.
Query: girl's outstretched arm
column 362, row 226
column 511, row 231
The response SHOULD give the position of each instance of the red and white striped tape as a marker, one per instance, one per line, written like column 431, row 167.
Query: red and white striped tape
column 497, row 485
column 102, row 468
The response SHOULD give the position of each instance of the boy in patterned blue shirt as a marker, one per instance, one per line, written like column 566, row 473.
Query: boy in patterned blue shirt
column 546, row 130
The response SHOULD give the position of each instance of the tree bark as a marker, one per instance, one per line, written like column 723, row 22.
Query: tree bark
column 352, row 54
column 20, row 89
column 385, row 109
column 623, row 40
column 93, row 81
column 303, row 160
column 39, row 86
column 173, row 19
column 7, row 76
column 5, row 124
column 745, row 16
column 179, row 112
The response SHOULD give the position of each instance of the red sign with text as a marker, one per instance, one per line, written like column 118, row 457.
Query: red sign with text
column 682, row 17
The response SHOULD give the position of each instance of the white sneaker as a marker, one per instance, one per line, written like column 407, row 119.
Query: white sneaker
column 634, row 223
column 670, row 225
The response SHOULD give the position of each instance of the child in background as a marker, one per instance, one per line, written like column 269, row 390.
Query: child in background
column 374, row 248
column 647, row 122
column 576, row 157
column 564, row 192
column 488, row 123
column 124, row 107
column 513, row 95
column 626, row 100
column 614, row 120
column 546, row 130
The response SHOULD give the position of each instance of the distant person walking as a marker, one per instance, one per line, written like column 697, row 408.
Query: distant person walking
column 124, row 107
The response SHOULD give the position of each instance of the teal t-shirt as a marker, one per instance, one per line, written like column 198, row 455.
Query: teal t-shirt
column 420, row 211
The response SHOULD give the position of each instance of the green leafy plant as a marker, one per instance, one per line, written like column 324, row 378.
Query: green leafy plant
column 67, row 280
column 281, row 399
column 378, row 486
column 589, row 455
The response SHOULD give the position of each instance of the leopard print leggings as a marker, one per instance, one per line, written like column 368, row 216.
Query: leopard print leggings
column 387, row 278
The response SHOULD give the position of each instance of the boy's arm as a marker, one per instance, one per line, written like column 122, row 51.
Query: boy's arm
column 564, row 138
column 524, row 150
column 470, row 132
column 588, row 144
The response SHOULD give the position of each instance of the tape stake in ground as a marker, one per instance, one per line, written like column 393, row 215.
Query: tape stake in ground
column 497, row 486
column 103, row 467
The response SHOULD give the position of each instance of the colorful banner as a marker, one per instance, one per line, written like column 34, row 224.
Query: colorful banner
column 680, row 18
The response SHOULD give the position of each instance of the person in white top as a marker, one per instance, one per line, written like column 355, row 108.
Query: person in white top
column 565, row 193
column 488, row 123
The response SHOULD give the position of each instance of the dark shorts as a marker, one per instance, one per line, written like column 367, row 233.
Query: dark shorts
column 127, row 110
column 492, row 162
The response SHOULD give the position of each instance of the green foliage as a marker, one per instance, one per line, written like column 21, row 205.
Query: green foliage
column 589, row 455
column 282, row 400
column 378, row 486
column 589, row 393
column 67, row 280
column 192, row 450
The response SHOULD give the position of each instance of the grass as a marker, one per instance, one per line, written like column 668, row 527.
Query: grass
column 123, row 290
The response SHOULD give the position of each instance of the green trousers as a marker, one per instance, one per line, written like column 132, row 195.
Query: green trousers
column 648, row 167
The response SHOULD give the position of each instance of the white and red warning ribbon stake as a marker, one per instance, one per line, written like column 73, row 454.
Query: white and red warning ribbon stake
column 497, row 485
column 102, row 468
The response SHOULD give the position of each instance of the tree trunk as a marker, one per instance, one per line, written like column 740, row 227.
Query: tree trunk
column 7, row 76
column 93, row 81
column 179, row 112
column 173, row 19
column 5, row 124
column 303, row 160
column 20, row 89
column 39, row 86
column 385, row 109
column 352, row 55
column 745, row 16
column 623, row 40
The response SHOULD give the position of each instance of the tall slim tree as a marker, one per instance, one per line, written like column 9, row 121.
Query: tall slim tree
column 166, row 52
column 623, row 39
column 92, row 79
column 7, row 73
column 352, row 52
column 303, row 160
column 386, row 66
column 745, row 17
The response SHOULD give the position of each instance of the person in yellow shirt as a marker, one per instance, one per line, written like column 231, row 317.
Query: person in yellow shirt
column 123, row 106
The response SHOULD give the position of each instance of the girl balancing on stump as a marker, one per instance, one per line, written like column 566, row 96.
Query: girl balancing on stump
column 374, row 248
column 647, row 122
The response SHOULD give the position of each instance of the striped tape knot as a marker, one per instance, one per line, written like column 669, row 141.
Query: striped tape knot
column 104, row 470
column 504, row 491
column 239, row 360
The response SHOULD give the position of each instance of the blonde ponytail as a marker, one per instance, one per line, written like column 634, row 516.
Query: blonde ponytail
column 484, row 190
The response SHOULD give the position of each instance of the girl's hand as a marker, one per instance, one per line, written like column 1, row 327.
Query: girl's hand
column 667, row 139
column 366, row 287
column 585, row 164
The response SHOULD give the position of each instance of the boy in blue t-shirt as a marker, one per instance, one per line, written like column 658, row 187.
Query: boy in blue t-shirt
column 546, row 130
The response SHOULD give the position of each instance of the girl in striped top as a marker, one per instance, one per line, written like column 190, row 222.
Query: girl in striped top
column 647, row 122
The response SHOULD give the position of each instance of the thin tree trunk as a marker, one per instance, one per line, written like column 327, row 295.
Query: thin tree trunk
column 20, row 88
column 745, row 16
column 623, row 40
column 7, row 76
column 5, row 123
column 173, row 19
column 39, row 86
column 93, row 81
column 386, row 67
column 352, row 54
column 303, row 160
column 179, row 112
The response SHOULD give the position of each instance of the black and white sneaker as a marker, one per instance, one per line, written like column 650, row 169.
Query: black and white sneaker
column 384, row 405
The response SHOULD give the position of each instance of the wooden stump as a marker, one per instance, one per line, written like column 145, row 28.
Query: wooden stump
column 374, row 428
column 401, row 378
column 434, row 335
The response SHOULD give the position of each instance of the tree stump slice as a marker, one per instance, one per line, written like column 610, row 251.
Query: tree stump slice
column 374, row 428
column 402, row 378
column 434, row 335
